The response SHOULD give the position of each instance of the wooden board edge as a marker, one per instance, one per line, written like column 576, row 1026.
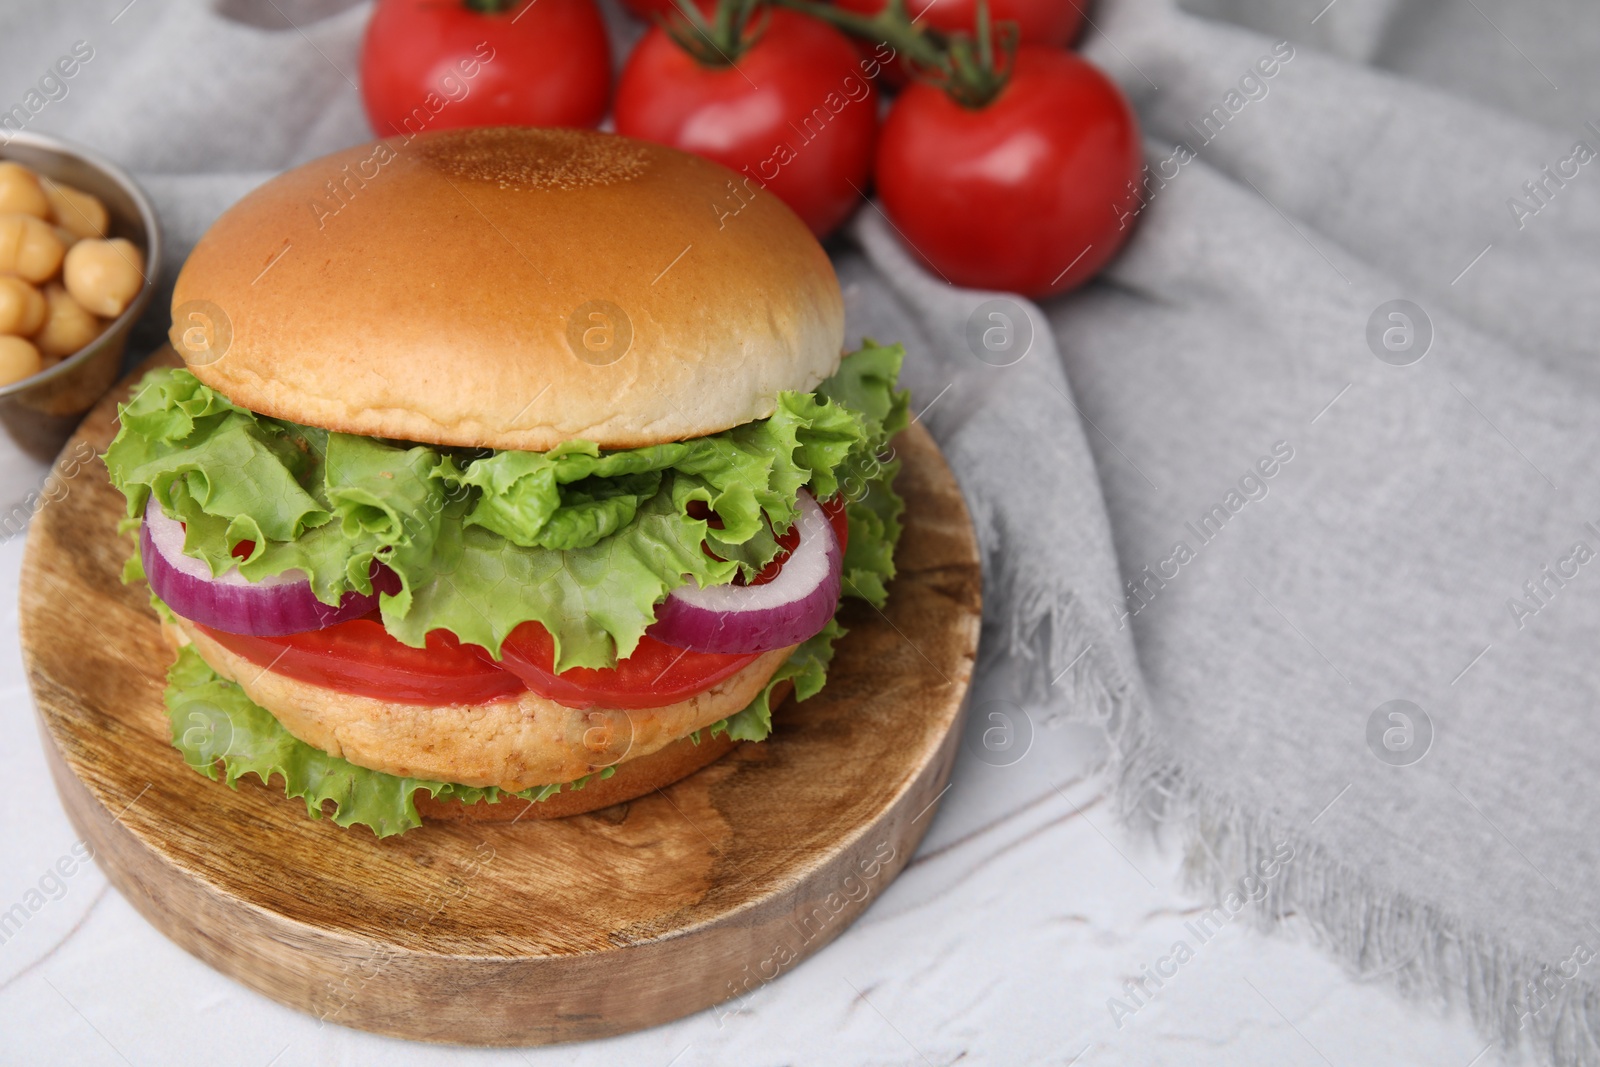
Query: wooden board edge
column 500, row 1002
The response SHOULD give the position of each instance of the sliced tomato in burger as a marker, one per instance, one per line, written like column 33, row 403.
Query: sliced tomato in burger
column 655, row 675
column 361, row 657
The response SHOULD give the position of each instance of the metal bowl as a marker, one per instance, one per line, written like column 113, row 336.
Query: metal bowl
column 40, row 412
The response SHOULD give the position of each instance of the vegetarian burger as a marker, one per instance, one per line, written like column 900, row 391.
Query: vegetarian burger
column 510, row 472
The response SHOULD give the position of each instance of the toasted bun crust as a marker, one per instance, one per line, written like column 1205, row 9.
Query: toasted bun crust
column 510, row 288
column 632, row 779
column 516, row 743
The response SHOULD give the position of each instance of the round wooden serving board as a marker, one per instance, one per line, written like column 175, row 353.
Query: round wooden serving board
column 519, row 934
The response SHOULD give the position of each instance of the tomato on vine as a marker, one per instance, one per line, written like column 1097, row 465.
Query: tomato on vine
column 445, row 64
column 1054, row 22
column 1032, row 192
column 1003, row 166
column 782, row 99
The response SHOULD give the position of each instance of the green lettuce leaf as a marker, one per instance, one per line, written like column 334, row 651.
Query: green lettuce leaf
column 874, row 511
column 245, row 483
column 215, row 725
column 596, row 601
column 806, row 665
column 865, row 384
column 586, row 542
column 874, row 515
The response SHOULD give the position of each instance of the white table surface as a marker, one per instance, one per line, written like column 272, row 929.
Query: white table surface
column 1026, row 908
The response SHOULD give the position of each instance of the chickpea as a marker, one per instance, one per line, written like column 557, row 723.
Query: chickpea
column 29, row 247
column 20, row 191
column 67, row 326
column 18, row 360
column 22, row 307
column 74, row 210
column 104, row 276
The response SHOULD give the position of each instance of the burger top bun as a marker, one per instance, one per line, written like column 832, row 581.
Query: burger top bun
column 510, row 288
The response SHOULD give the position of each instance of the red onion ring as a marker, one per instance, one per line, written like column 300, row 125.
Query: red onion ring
column 756, row 618
column 271, row 607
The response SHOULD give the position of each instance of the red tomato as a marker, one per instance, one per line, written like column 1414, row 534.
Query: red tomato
column 794, row 114
column 787, row 543
column 1038, row 21
column 833, row 507
column 438, row 64
column 654, row 676
column 1032, row 193
column 359, row 656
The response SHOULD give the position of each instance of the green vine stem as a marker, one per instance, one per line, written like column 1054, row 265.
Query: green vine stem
column 719, row 41
column 972, row 68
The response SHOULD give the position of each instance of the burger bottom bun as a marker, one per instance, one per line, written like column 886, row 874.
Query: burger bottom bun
column 515, row 744
column 633, row 779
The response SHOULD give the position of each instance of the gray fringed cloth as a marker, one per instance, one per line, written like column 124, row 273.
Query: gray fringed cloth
column 1384, row 653
column 1299, row 501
